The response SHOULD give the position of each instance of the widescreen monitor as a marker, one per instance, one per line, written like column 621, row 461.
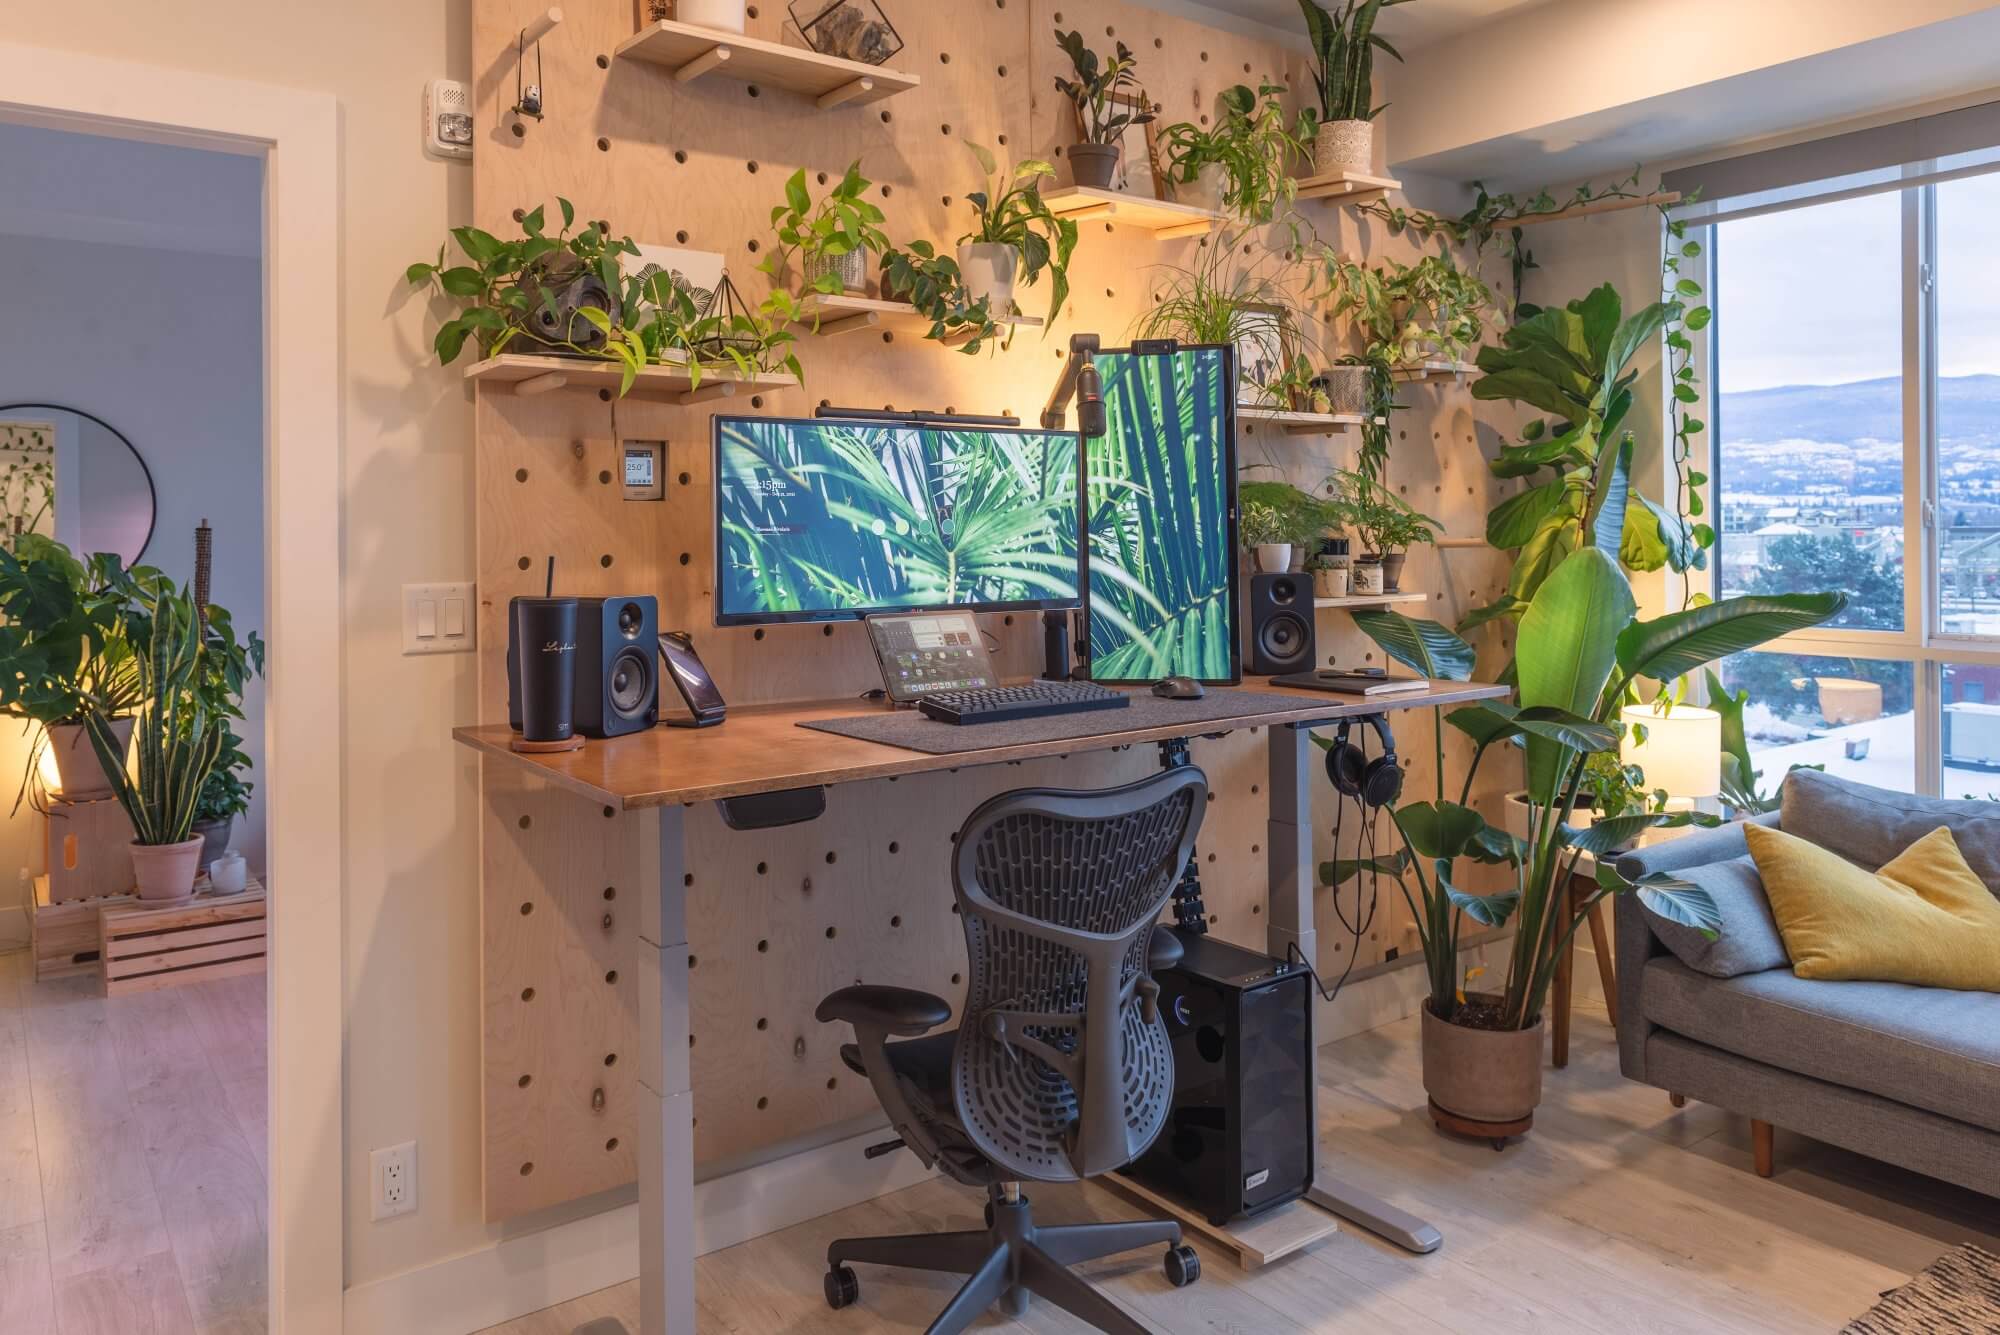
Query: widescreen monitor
column 1161, row 515
column 825, row 519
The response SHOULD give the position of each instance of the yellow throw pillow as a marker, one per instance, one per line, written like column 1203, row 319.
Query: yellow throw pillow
column 1925, row 918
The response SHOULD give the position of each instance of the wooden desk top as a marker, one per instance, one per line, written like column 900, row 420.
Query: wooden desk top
column 761, row 749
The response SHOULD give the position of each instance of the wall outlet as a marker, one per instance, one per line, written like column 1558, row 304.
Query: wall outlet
column 393, row 1175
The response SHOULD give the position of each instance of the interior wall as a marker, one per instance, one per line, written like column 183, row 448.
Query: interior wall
column 164, row 346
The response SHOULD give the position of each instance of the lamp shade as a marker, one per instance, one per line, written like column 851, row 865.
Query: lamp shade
column 1682, row 752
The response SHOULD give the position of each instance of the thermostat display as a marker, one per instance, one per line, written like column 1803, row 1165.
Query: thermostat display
column 644, row 466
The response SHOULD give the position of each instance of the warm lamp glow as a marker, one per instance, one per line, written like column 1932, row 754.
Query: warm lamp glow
column 1682, row 752
column 45, row 768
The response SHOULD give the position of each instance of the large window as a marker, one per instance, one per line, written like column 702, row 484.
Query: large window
column 1855, row 410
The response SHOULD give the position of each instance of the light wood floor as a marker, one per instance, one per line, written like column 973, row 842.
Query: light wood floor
column 1620, row 1213
column 132, row 1157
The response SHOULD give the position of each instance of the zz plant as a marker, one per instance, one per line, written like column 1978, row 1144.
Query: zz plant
column 1093, row 93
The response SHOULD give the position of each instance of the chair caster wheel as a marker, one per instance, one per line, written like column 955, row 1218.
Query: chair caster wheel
column 842, row 1288
column 1183, row 1266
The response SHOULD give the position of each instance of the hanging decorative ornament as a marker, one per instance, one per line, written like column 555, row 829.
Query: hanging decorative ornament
column 733, row 326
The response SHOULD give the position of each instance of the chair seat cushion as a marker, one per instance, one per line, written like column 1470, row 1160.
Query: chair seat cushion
column 1929, row 1047
column 924, row 1064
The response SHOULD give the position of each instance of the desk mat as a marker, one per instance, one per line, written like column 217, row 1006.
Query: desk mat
column 915, row 731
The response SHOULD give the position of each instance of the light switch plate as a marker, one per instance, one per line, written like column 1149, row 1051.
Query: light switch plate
column 438, row 618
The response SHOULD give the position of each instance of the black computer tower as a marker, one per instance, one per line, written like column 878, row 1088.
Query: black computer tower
column 1240, row 1137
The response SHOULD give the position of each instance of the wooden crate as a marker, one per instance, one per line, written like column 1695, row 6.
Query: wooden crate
column 212, row 936
column 89, row 850
column 64, row 936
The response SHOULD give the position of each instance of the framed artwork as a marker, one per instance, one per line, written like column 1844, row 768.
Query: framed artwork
column 1138, row 157
column 698, row 272
column 1261, row 339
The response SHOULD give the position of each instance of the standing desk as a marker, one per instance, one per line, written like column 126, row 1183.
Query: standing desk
column 761, row 750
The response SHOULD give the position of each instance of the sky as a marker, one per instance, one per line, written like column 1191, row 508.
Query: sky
column 1813, row 296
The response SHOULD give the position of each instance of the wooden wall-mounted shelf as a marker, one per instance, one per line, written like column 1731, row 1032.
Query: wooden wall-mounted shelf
column 1426, row 372
column 1165, row 219
column 1662, row 200
column 1347, row 187
column 1356, row 600
column 1301, row 424
column 845, row 314
column 692, row 52
column 529, row 374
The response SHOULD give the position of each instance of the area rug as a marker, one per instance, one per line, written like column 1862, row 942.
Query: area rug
column 1958, row 1294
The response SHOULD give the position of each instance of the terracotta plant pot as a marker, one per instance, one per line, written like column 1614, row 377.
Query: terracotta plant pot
column 166, row 871
column 1094, row 166
column 1392, row 571
column 1344, row 146
column 989, row 268
column 1483, row 1075
column 77, row 770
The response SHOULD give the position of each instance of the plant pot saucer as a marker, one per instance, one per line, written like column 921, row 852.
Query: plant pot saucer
column 1496, row 1132
column 177, row 902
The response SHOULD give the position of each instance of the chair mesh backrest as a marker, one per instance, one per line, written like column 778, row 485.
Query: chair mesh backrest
column 1088, row 874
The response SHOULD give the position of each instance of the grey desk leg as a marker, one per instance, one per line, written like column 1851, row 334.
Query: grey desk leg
column 1293, row 874
column 666, row 1103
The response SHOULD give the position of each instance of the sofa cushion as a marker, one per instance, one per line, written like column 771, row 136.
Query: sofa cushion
column 1748, row 940
column 1924, row 1046
column 1872, row 825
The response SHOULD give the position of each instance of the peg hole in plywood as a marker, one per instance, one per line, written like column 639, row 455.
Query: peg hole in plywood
column 605, row 560
column 604, row 62
column 832, row 932
column 603, row 144
column 611, row 978
column 763, row 1023
column 610, row 1059
column 762, row 1103
column 753, row 90
column 603, row 477
column 681, row 237
column 527, row 1168
column 527, row 907
column 527, row 994
column 523, row 563
column 611, row 1145
column 763, row 947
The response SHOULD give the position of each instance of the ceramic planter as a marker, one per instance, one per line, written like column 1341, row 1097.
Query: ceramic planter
column 1491, row 1076
column 1206, row 191
column 1344, row 146
column 1345, row 387
column 1094, row 166
column 727, row 15
column 1392, row 571
column 166, row 871
column 1330, row 582
column 988, row 268
column 214, row 836
column 77, row 770
column 1273, row 558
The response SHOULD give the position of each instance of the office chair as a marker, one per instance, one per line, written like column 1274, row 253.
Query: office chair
column 1061, row 1069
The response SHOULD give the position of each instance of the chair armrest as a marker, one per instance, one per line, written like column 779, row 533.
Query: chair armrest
column 1164, row 950
column 900, row 1011
column 1692, row 850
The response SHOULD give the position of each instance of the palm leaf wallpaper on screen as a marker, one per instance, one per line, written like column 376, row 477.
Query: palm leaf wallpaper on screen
column 1159, row 495
column 829, row 517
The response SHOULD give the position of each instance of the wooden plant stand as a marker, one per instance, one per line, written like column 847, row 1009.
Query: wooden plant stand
column 1497, row 1132
column 210, row 936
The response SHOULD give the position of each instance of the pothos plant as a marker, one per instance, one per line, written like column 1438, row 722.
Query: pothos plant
column 1407, row 313
column 813, row 235
column 1255, row 141
column 1010, row 211
column 933, row 285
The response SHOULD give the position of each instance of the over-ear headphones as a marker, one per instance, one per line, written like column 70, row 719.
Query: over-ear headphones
column 1376, row 782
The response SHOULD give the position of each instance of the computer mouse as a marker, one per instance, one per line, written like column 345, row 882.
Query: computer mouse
column 1178, row 688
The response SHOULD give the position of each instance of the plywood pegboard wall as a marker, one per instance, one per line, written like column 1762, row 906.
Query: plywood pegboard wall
column 778, row 919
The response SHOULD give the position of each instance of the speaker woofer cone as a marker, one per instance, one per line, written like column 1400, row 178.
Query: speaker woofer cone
column 631, row 682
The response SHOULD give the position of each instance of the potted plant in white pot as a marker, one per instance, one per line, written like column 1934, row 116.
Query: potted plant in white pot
column 1344, row 44
column 1263, row 534
column 1243, row 164
column 1101, row 117
column 1580, row 653
column 62, row 637
column 179, row 736
column 1016, row 237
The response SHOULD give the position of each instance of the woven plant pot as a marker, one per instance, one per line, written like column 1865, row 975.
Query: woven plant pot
column 1344, row 146
column 851, row 269
column 1346, row 388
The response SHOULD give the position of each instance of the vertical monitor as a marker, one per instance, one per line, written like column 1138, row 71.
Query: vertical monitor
column 1160, row 512
column 823, row 519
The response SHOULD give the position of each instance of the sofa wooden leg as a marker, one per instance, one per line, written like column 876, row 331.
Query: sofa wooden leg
column 1760, row 1146
column 1678, row 1100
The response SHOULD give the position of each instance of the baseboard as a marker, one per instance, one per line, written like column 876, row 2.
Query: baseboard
column 1384, row 998
column 516, row 1276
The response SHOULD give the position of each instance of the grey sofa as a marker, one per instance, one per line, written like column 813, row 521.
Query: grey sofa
column 1906, row 1074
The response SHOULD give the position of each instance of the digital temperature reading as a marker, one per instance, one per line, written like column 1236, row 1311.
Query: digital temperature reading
column 644, row 466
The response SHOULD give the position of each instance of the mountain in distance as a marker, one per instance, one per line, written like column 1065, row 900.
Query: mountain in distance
column 1793, row 440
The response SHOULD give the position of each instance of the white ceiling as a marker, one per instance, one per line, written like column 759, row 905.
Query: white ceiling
column 125, row 192
column 1409, row 26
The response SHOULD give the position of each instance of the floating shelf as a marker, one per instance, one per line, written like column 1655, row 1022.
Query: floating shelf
column 1302, row 424
column 1662, row 200
column 1347, row 187
column 1426, row 372
column 1165, row 219
column 691, row 52
column 1372, row 600
column 529, row 374
column 846, row 315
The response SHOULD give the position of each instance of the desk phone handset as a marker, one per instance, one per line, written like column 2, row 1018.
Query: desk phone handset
column 691, row 679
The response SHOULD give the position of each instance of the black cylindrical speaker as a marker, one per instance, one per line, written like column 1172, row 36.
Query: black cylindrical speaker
column 545, row 642
column 1281, row 624
column 1056, row 665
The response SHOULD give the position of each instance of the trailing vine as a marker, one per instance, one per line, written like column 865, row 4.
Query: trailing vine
column 1688, row 480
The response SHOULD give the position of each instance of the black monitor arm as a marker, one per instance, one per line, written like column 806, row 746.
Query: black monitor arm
column 1080, row 382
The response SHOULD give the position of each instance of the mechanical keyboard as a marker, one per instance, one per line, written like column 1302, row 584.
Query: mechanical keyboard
column 1035, row 699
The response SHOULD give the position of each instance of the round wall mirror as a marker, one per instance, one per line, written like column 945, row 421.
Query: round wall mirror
column 74, row 477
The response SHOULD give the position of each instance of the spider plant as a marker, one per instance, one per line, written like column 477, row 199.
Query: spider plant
column 873, row 517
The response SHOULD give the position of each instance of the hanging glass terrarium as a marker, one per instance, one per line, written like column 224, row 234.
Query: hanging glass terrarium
column 728, row 325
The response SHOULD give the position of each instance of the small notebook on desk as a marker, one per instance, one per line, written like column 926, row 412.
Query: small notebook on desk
column 1366, row 684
